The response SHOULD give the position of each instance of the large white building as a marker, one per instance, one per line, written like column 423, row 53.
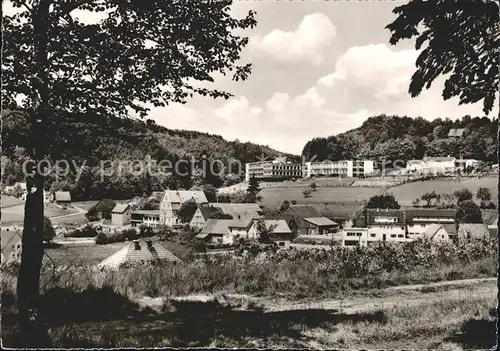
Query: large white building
column 172, row 201
column 432, row 165
column 345, row 168
column 273, row 170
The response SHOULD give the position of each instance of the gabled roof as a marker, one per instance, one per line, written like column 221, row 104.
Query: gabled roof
column 473, row 230
column 429, row 212
column 305, row 211
column 241, row 223
column 321, row 221
column 456, row 132
column 62, row 196
column 451, row 229
column 130, row 254
column 181, row 196
column 243, row 210
column 216, row 226
column 105, row 205
column 280, row 226
column 10, row 237
column 431, row 231
column 372, row 213
column 120, row 208
column 208, row 212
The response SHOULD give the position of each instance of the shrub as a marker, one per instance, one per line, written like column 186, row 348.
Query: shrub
column 86, row 232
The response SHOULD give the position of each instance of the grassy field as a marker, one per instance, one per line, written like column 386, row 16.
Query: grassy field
column 335, row 202
column 407, row 193
column 9, row 201
column 456, row 320
column 14, row 215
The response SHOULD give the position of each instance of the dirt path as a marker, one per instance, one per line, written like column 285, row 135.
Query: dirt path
column 410, row 296
column 78, row 211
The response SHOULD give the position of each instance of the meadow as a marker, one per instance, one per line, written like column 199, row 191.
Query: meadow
column 9, row 201
column 14, row 215
column 279, row 300
column 335, row 202
column 405, row 194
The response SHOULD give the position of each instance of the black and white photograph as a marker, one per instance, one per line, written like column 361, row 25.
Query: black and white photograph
column 250, row 174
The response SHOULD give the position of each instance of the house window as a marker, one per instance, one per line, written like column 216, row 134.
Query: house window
column 18, row 246
column 281, row 243
column 372, row 235
column 401, row 236
column 422, row 225
column 393, row 235
column 442, row 236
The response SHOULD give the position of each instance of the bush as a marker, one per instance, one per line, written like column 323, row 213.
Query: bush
column 86, row 232
column 118, row 236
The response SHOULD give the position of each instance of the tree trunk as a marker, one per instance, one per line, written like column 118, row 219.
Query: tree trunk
column 32, row 334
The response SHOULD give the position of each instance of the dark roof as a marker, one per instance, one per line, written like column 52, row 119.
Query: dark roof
column 207, row 212
column 104, row 205
column 451, row 229
column 305, row 211
column 372, row 213
column 62, row 196
column 428, row 212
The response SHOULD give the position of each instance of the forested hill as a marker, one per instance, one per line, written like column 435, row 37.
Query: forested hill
column 93, row 139
column 405, row 138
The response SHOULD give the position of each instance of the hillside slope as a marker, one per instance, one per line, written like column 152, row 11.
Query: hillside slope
column 405, row 138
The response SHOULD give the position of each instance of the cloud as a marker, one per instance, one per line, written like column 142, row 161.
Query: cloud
column 308, row 42
column 364, row 81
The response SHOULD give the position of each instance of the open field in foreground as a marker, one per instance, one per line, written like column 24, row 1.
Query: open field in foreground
column 456, row 318
column 407, row 193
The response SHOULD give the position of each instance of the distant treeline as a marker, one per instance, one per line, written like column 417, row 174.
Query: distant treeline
column 404, row 138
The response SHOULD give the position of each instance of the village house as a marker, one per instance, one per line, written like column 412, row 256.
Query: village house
column 138, row 251
column 432, row 166
column 149, row 218
column 493, row 229
column 456, row 133
column 216, row 231
column 419, row 219
column 201, row 216
column 281, row 232
column 172, row 201
column 11, row 244
column 308, row 221
column 405, row 224
column 438, row 232
column 62, row 197
column 103, row 208
column 386, row 225
column 120, row 215
column 251, row 210
column 352, row 237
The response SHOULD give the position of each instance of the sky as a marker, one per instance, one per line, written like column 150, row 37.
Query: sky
column 320, row 68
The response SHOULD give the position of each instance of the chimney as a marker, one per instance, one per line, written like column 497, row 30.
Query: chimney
column 137, row 246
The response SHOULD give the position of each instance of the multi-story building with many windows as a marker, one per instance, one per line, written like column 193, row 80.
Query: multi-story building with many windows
column 273, row 170
column 345, row 168
column 404, row 224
